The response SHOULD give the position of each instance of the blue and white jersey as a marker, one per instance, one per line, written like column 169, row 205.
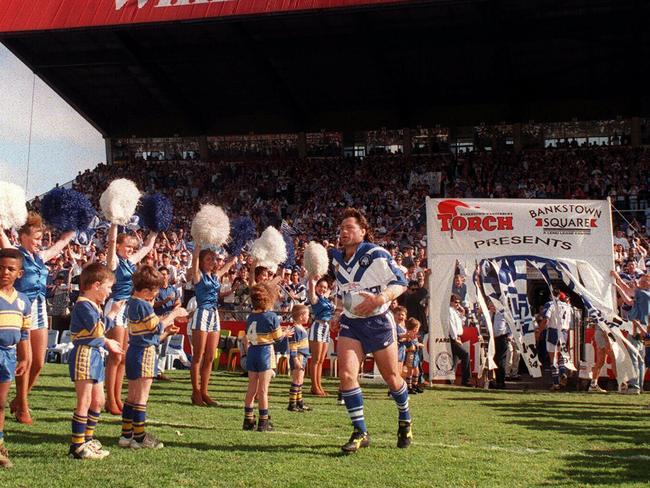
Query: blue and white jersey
column 371, row 270
column 558, row 314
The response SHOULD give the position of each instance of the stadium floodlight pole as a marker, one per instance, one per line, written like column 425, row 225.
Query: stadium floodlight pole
column 29, row 142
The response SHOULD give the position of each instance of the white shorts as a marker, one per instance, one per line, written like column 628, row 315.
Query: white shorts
column 39, row 313
column 319, row 331
column 121, row 320
column 206, row 320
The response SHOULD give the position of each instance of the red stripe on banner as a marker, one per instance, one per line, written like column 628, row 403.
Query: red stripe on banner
column 20, row 15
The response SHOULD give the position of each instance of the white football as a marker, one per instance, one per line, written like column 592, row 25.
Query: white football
column 354, row 298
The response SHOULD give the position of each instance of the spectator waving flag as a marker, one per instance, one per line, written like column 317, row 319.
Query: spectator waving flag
column 286, row 229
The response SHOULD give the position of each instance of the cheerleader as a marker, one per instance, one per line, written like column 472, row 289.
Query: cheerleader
column 33, row 283
column 205, row 323
column 122, row 259
column 319, row 332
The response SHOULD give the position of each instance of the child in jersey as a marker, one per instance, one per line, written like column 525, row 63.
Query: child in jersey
column 399, row 314
column 262, row 331
column 298, row 354
column 86, row 364
column 412, row 359
column 15, row 322
column 122, row 258
column 146, row 331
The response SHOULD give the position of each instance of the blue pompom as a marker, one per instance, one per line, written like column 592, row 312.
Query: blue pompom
column 291, row 252
column 156, row 213
column 65, row 209
column 243, row 231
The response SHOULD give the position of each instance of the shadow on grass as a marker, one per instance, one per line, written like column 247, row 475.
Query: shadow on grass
column 312, row 449
column 611, row 467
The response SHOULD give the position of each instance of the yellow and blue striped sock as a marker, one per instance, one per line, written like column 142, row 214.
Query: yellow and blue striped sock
column 139, row 418
column 127, row 420
column 78, row 430
column 91, row 424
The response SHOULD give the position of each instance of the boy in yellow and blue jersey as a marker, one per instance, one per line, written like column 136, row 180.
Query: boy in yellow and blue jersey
column 298, row 354
column 262, row 331
column 15, row 322
column 146, row 331
column 86, row 364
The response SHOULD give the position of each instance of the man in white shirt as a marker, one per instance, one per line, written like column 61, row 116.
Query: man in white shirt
column 619, row 238
column 456, row 313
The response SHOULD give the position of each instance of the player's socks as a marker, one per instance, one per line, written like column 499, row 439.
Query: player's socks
column 127, row 420
column 401, row 398
column 78, row 430
column 91, row 424
column 354, row 404
column 139, row 418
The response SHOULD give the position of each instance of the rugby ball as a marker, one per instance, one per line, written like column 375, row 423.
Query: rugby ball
column 354, row 298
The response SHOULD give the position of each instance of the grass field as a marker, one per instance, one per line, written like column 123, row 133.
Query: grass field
column 463, row 437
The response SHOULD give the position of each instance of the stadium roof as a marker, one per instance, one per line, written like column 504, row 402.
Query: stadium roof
column 151, row 68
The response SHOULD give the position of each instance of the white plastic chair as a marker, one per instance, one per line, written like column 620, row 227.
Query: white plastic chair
column 175, row 351
column 52, row 339
column 64, row 347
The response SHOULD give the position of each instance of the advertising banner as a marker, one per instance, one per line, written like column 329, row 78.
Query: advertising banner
column 21, row 15
column 463, row 232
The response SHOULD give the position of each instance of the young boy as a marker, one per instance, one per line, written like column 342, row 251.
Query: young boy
column 87, row 326
column 146, row 331
column 298, row 354
column 167, row 300
column 262, row 330
column 412, row 357
column 15, row 323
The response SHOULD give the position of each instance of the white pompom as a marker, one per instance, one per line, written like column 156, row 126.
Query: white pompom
column 13, row 211
column 119, row 200
column 316, row 261
column 210, row 226
column 269, row 250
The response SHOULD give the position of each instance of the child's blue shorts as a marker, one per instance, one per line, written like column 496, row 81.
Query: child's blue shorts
column 258, row 358
column 302, row 359
column 7, row 364
column 86, row 363
column 141, row 362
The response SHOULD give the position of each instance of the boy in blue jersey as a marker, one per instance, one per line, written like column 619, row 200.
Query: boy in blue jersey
column 87, row 327
column 146, row 331
column 412, row 356
column 262, row 331
column 122, row 258
column 298, row 355
column 15, row 310
column 167, row 299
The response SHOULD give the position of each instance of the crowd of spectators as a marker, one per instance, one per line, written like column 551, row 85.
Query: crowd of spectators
column 390, row 189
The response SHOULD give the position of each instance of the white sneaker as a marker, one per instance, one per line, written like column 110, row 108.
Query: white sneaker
column 86, row 451
column 632, row 391
column 97, row 446
column 596, row 389
column 149, row 442
column 124, row 441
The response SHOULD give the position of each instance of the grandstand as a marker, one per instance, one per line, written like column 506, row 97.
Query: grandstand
column 289, row 112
